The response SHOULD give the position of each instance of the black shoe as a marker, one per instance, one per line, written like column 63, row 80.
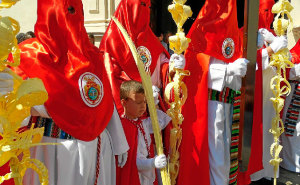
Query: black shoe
column 262, row 181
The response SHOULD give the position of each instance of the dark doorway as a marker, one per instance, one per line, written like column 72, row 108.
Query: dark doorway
column 162, row 22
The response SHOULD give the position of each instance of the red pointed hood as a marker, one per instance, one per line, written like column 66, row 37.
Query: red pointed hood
column 215, row 32
column 265, row 14
column 134, row 15
column 71, row 68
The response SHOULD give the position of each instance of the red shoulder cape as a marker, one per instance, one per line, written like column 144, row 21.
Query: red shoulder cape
column 128, row 175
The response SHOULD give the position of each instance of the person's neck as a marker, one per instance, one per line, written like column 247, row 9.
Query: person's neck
column 128, row 116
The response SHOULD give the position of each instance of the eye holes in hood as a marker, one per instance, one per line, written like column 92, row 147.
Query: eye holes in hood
column 71, row 10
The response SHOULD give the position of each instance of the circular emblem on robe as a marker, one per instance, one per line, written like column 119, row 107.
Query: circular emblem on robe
column 91, row 89
column 145, row 56
column 228, row 48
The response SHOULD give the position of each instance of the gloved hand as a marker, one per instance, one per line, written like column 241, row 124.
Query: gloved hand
column 279, row 43
column 238, row 67
column 267, row 36
column 160, row 161
column 6, row 82
column 260, row 40
column 155, row 90
column 122, row 159
column 177, row 61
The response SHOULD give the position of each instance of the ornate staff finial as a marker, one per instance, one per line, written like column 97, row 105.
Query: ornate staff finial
column 178, row 43
column 279, row 84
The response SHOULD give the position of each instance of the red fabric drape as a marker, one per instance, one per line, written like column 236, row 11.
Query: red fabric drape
column 59, row 55
column 216, row 22
column 256, row 155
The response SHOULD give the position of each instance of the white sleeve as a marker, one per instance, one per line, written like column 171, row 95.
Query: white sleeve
column 265, row 59
column 233, row 82
column 144, row 164
column 155, row 77
column 217, row 78
column 41, row 110
column 117, row 134
column 295, row 72
column 163, row 121
column 25, row 121
column 163, row 58
column 216, row 74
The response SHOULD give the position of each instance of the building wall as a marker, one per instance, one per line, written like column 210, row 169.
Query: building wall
column 294, row 36
column 97, row 15
column 24, row 12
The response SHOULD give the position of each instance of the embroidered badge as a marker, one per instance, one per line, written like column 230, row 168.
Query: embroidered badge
column 91, row 89
column 145, row 56
column 228, row 48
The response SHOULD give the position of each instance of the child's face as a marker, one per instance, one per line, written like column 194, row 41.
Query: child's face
column 135, row 105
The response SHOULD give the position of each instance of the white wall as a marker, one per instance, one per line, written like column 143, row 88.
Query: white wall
column 292, row 37
column 24, row 12
column 97, row 15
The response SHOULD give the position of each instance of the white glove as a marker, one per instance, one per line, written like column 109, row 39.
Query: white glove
column 155, row 90
column 279, row 43
column 298, row 130
column 267, row 36
column 6, row 83
column 177, row 61
column 122, row 159
column 160, row 161
column 238, row 67
column 260, row 40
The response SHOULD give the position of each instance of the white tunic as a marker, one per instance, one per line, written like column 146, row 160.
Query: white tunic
column 291, row 145
column 219, row 123
column 74, row 161
column 144, row 165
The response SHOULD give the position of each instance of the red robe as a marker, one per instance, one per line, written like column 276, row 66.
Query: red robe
column 59, row 55
column 256, row 155
column 134, row 15
column 207, row 36
column 295, row 52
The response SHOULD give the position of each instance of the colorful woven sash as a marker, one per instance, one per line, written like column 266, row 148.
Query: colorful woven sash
column 232, row 97
column 292, row 114
column 51, row 129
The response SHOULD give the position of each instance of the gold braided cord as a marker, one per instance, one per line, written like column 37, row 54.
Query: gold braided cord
column 279, row 84
column 147, row 84
column 15, row 107
column 178, row 43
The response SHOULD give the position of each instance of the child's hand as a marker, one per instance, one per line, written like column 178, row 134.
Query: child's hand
column 160, row 161
column 122, row 159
